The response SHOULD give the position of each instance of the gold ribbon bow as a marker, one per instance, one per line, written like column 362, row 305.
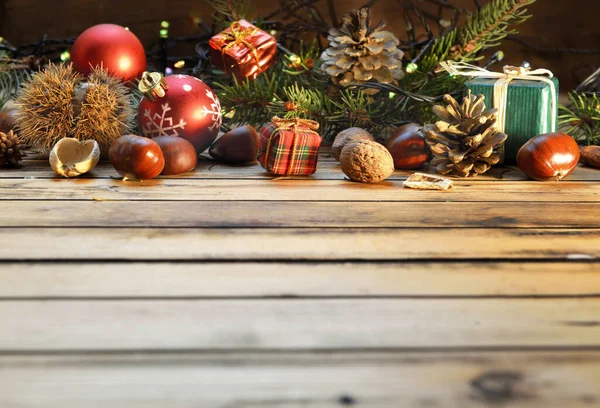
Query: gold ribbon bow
column 295, row 125
column 509, row 74
column 237, row 35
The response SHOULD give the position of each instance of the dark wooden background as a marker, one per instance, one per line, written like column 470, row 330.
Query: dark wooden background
column 556, row 23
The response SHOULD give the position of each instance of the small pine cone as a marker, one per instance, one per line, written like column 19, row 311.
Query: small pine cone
column 465, row 142
column 11, row 149
column 359, row 53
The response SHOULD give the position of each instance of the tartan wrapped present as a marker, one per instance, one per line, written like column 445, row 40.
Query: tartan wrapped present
column 526, row 100
column 289, row 146
column 243, row 50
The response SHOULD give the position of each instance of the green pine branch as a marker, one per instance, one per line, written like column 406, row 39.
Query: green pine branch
column 481, row 30
column 581, row 117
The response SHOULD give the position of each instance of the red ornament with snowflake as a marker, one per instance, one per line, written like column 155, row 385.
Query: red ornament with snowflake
column 179, row 105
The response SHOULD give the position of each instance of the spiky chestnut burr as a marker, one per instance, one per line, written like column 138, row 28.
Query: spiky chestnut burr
column 58, row 102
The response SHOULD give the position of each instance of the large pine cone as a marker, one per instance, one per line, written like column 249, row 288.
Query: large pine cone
column 465, row 142
column 359, row 53
column 11, row 149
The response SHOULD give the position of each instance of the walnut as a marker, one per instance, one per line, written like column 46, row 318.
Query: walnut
column 346, row 136
column 366, row 161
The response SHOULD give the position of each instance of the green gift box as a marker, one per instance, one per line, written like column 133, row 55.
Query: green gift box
column 529, row 109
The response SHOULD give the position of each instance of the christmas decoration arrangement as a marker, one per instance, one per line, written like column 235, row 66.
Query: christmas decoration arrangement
column 71, row 158
column 531, row 94
column 289, row 146
column 375, row 94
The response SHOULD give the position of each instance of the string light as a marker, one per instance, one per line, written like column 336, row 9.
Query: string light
column 164, row 31
column 411, row 67
column 65, row 56
column 179, row 64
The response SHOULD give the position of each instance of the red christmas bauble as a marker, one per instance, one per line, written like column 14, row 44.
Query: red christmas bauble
column 116, row 49
column 184, row 106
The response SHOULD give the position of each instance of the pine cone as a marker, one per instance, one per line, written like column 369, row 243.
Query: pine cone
column 358, row 53
column 465, row 142
column 11, row 149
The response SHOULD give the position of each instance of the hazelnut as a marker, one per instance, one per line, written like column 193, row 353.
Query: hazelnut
column 366, row 161
column 345, row 136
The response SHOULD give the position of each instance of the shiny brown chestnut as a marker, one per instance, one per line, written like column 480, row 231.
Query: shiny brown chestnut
column 7, row 120
column 407, row 147
column 180, row 155
column 136, row 157
column 239, row 145
column 550, row 156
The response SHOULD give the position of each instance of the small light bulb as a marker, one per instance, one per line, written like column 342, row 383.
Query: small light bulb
column 179, row 64
column 65, row 56
column 164, row 33
column 411, row 67
column 164, row 24
column 294, row 58
column 168, row 71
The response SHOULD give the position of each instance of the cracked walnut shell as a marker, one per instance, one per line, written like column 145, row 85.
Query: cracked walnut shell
column 366, row 161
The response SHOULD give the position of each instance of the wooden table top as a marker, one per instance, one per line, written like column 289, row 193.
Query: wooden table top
column 226, row 288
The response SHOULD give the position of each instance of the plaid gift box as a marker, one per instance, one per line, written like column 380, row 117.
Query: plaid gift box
column 289, row 146
column 243, row 50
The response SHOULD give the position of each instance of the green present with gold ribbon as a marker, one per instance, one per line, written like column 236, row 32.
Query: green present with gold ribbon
column 527, row 100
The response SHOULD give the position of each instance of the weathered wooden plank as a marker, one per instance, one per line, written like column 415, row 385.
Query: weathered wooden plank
column 296, row 244
column 291, row 190
column 331, row 324
column 232, row 279
column 257, row 214
column 311, row 380
column 327, row 170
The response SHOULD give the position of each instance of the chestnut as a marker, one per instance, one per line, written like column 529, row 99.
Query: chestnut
column 136, row 157
column 550, row 156
column 7, row 120
column 180, row 155
column 239, row 145
column 407, row 147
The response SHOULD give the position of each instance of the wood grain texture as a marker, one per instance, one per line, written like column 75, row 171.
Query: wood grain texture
column 327, row 170
column 309, row 380
column 256, row 279
column 257, row 214
column 292, row 190
column 292, row 324
column 296, row 244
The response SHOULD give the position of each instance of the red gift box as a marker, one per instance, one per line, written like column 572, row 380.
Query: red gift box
column 243, row 50
column 289, row 146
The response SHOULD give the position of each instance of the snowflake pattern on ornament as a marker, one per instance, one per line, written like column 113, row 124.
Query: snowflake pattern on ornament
column 161, row 125
column 215, row 110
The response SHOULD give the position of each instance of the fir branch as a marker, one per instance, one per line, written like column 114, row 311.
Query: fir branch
column 581, row 118
column 482, row 30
